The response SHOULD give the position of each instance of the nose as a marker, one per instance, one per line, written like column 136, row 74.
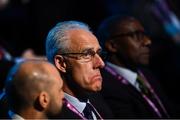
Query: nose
column 99, row 63
column 146, row 41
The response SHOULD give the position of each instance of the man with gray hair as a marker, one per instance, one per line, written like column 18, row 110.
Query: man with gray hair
column 75, row 51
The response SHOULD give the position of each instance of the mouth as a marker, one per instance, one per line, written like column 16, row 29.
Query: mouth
column 147, row 54
column 97, row 77
column 146, row 51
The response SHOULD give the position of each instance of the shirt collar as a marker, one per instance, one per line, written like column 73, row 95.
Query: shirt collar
column 75, row 102
column 129, row 75
column 14, row 116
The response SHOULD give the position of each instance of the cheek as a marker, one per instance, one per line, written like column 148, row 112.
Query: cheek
column 137, row 53
column 134, row 57
column 134, row 51
column 82, row 72
column 58, row 102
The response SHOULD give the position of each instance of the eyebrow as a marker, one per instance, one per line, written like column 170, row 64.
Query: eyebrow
column 87, row 49
column 127, row 33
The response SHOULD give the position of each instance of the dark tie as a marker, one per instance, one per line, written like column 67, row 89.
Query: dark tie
column 149, row 96
column 88, row 111
column 143, row 87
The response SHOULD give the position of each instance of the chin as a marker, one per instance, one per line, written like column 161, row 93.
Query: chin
column 144, row 62
column 95, row 85
column 95, row 88
column 98, row 87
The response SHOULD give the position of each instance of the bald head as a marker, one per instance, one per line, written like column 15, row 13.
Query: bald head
column 27, row 80
column 33, row 73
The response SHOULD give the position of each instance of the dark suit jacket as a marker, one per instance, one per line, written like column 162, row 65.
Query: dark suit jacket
column 124, row 100
column 97, row 102
column 4, row 108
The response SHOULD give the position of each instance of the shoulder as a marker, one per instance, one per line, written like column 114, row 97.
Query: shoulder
column 102, row 107
column 66, row 113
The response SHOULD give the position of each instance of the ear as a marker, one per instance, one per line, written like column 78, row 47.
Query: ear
column 44, row 99
column 110, row 45
column 60, row 63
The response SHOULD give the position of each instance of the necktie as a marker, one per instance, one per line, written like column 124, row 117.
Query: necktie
column 142, row 86
column 148, row 95
column 88, row 111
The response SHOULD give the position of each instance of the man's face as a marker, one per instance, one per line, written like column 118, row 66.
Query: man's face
column 131, row 43
column 56, row 94
column 84, row 68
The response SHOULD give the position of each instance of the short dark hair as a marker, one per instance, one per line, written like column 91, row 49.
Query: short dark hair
column 107, row 27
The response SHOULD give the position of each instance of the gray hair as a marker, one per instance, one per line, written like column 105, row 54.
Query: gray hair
column 58, row 39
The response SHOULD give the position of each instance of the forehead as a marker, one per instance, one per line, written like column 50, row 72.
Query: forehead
column 81, row 39
column 129, row 25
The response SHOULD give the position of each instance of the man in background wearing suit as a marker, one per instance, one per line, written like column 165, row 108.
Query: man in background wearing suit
column 129, row 90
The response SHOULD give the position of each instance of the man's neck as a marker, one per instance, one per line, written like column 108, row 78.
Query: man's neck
column 32, row 114
column 123, row 64
column 77, row 92
column 67, row 90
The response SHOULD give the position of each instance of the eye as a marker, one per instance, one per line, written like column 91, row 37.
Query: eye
column 86, row 54
column 92, row 53
column 140, row 34
column 89, row 53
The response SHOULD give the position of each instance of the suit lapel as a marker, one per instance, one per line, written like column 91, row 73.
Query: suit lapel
column 130, row 88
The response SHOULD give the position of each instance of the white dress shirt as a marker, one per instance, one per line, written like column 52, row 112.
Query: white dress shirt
column 80, row 106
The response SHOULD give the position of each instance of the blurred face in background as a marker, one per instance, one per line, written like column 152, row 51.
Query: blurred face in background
column 130, row 42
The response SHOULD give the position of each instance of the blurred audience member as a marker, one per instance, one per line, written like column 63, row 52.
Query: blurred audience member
column 6, row 63
column 34, row 90
column 29, row 54
column 128, row 87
